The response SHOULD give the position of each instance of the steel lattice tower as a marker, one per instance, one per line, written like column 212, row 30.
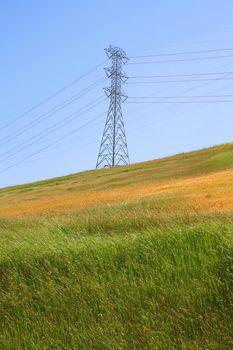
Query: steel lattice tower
column 113, row 148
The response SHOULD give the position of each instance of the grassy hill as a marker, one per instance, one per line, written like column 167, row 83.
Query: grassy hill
column 136, row 257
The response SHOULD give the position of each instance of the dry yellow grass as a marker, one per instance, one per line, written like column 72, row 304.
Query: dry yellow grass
column 211, row 191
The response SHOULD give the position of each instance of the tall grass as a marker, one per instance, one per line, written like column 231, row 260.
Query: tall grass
column 169, row 287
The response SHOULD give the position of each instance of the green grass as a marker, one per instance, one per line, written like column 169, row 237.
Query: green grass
column 161, row 284
column 123, row 276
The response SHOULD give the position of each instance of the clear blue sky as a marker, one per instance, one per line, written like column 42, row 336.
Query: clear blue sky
column 44, row 45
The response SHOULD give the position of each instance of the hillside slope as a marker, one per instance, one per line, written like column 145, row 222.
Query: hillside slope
column 136, row 257
column 201, row 179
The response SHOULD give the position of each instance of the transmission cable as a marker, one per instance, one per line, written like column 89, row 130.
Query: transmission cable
column 51, row 144
column 182, row 53
column 177, row 114
column 65, row 151
column 52, row 129
column 80, row 138
column 53, row 95
column 181, row 60
column 181, row 102
column 170, row 97
column 188, row 90
column 177, row 75
column 50, row 113
column 177, row 81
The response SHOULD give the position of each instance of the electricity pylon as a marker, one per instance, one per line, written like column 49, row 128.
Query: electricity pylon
column 113, row 148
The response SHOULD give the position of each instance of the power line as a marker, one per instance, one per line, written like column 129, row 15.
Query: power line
column 164, row 119
column 52, row 129
column 182, row 60
column 172, row 106
column 178, row 75
column 182, row 53
column 65, row 151
column 89, row 136
column 177, row 114
column 51, row 144
column 50, row 113
column 176, row 81
column 183, row 102
column 169, row 97
column 52, row 96
column 184, row 91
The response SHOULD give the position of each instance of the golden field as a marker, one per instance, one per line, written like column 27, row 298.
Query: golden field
column 201, row 181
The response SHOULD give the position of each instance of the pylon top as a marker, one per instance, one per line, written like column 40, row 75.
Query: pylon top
column 118, row 52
